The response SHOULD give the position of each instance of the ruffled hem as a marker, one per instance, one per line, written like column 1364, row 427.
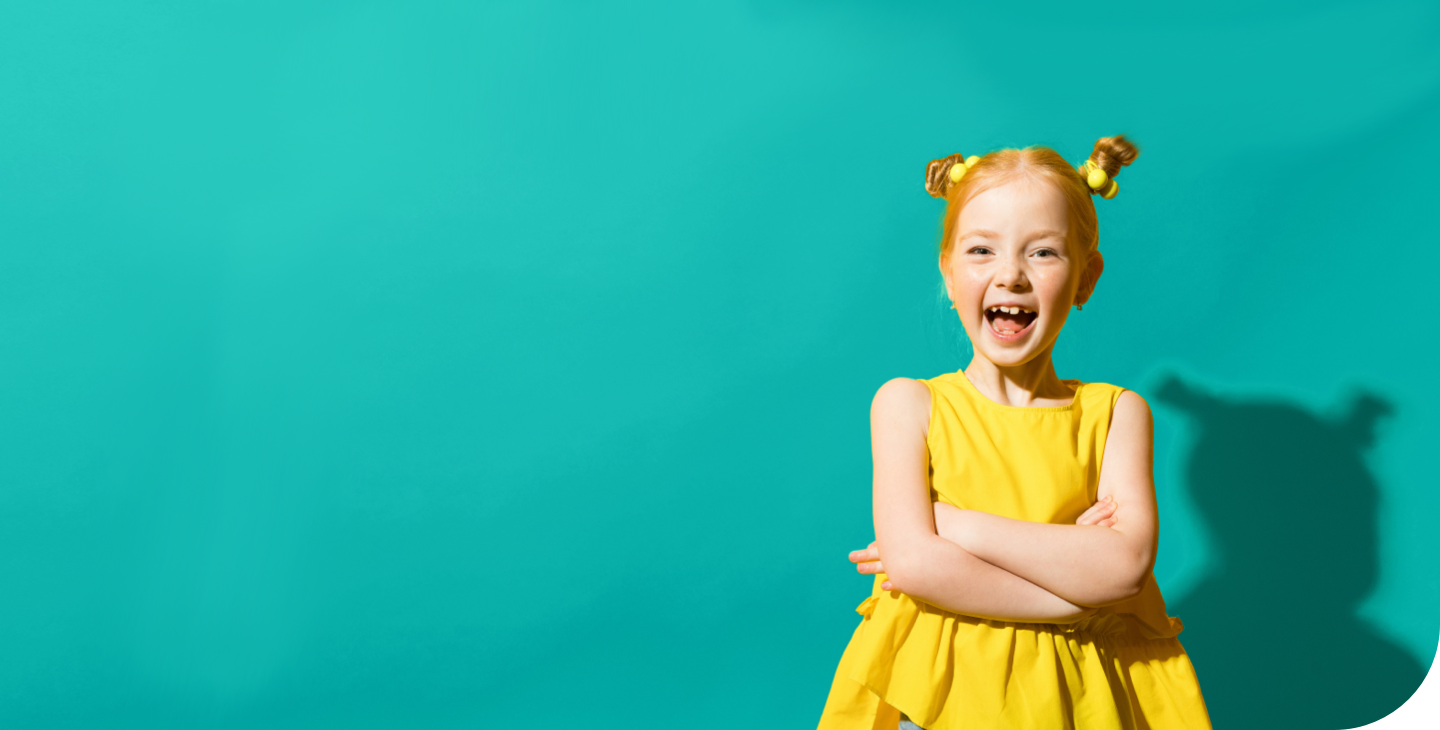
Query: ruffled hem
column 948, row 671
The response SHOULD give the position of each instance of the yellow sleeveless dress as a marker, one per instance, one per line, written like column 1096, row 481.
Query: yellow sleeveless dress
column 1121, row 668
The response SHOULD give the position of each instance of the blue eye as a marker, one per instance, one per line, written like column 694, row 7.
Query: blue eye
column 980, row 250
column 1044, row 252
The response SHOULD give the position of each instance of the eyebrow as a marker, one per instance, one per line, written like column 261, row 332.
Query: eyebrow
column 987, row 233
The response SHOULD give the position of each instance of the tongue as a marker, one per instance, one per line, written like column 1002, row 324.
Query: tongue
column 1012, row 322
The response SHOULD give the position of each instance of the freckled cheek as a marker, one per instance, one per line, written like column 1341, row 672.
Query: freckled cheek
column 970, row 291
column 1052, row 287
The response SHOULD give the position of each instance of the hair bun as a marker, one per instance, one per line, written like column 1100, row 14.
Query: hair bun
column 938, row 177
column 1109, row 155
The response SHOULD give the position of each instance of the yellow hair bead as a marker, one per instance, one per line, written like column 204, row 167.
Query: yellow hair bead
column 958, row 171
column 1097, row 178
column 1110, row 191
column 971, row 160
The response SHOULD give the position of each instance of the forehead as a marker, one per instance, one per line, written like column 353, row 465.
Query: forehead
column 1016, row 207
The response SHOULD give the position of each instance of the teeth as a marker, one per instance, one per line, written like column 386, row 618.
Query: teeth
column 1011, row 310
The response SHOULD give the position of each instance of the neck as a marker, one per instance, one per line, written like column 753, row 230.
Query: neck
column 1018, row 385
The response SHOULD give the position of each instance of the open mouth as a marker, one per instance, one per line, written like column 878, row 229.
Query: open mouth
column 1009, row 321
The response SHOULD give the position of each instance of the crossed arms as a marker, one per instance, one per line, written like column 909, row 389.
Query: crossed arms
column 993, row 567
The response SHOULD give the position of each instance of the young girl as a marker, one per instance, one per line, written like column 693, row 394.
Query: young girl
column 1013, row 585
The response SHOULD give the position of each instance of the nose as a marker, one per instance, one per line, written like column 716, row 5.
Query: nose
column 1011, row 276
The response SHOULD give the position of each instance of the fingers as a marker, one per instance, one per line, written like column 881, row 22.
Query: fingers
column 1097, row 513
column 868, row 554
column 867, row 561
column 870, row 568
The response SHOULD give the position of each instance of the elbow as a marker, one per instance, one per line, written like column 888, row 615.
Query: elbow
column 1128, row 591
column 1109, row 595
column 1139, row 576
column 1075, row 618
column 1131, row 581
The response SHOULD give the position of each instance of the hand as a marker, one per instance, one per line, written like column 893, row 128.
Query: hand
column 867, row 562
column 1101, row 513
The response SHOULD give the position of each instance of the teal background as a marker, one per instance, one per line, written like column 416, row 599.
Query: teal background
column 442, row 364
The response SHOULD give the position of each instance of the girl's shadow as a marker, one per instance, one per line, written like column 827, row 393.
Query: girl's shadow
column 1291, row 506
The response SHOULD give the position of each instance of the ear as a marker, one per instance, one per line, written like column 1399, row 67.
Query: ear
column 945, row 276
column 1094, row 267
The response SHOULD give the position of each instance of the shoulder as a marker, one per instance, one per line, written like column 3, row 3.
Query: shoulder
column 1113, row 394
column 902, row 399
column 1131, row 413
column 901, row 393
column 1131, row 402
column 1121, row 404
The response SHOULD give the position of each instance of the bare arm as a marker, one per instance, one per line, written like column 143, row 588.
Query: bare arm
column 1089, row 565
column 918, row 561
column 867, row 560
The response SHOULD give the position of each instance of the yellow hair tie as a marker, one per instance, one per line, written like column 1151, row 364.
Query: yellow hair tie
column 961, row 167
column 1095, row 177
column 1110, row 191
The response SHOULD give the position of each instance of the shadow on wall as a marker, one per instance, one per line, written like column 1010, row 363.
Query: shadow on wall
column 1273, row 630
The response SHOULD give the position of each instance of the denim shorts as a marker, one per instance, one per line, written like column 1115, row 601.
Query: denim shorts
column 905, row 724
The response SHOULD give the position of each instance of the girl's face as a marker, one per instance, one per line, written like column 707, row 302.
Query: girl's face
column 1013, row 250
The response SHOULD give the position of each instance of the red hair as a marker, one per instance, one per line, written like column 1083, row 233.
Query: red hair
column 1036, row 162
